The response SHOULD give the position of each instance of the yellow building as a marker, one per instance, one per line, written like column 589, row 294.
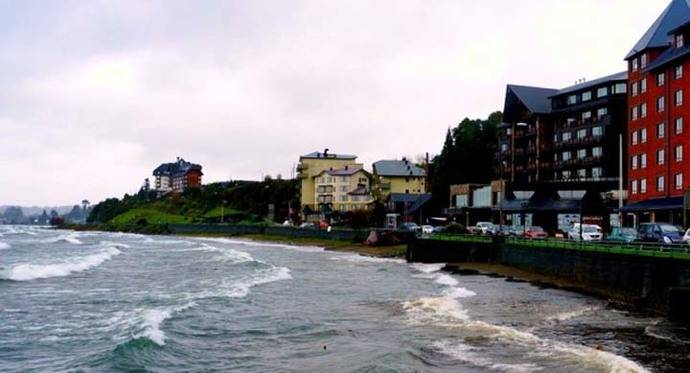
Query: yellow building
column 345, row 189
column 313, row 165
column 399, row 177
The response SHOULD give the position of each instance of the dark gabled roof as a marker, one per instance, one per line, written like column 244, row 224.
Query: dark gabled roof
column 319, row 155
column 668, row 56
column 593, row 83
column 676, row 14
column 398, row 168
column 176, row 168
column 535, row 99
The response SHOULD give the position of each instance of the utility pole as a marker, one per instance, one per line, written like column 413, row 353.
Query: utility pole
column 620, row 179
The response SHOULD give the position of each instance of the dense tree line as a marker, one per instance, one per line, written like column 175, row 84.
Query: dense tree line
column 247, row 196
column 467, row 156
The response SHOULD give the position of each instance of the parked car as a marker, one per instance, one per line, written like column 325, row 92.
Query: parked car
column 410, row 227
column 307, row 225
column 535, row 232
column 590, row 232
column 622, row 234
column 517, row 231
column 661, row 233
column 504, row 230
column 427, row 229
column 439, row 229
column 483, row 227
column 686, row 237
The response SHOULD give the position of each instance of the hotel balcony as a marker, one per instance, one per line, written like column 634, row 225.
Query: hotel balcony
column 604, row 120
column 575, row 142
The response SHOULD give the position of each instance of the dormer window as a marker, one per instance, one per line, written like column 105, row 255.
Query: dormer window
column 634, row 64
column 643, row 60
column 680, row 41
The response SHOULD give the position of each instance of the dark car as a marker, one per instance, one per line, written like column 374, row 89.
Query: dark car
column 661, row 233
column 622, row 234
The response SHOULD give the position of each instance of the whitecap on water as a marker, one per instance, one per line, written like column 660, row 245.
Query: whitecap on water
column 149, row 322
column 225, row 254
column 468, row 354
column 428, row 268
column 571, row 314
column 357, row 258
column 28, row 271
column 265, row 244
column 69, row 238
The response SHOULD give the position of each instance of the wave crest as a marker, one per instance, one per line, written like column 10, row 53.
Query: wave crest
column 27, row 272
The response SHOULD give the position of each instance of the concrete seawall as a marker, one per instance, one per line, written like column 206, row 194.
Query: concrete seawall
column 658, row 283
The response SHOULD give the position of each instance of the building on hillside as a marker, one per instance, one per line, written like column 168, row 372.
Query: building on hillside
column 559, row 153
column 177, row 176
column 344, row 189
column 407, row 207
column 472, row 203
column 658, row 138
column 314, row 164
column 398, row 176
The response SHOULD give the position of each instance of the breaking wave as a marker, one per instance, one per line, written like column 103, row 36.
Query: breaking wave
column 225, row 254
column 69, row 238
column 27, row 272
column 150, row 322
column 251, row 243
column 357, row 258
column 567, row 315
column 240, row 288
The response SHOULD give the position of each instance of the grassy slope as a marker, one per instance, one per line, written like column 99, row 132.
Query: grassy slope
column 152, row 216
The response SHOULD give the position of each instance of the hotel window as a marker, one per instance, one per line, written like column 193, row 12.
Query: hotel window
column 567, row 136
column 597, row 173
column 643, row 160
column 581, row 153
column 582, row 174
column 602, row 92
column 679, row 181
column 565, row 156
column 620, row 88
column 343, row 179
column 597, row 151
column 643, row 135
column 679, row 97
column 660, row 183
column 660, row 156
column 597, row 131
column 634, row 137
column 581, row 134
column 633, row 162
column 679, row 71
column 355, row 198
column 634, row 88
column 635, row 64
column 572, row 100
column 643, row 186
column 602, row 112
column 660, row 79
column 679, row 153
column 661, row 104
column 633, row 186
column 509, row 131
column 643, row 60
column 566, row 175
column 643, row 110
column 343, row 198
column 586, row 115
column 504, row 148
column 643, row 85
column 635, row 112
column 343, row 188
column 661, row 130
column 679, row 125
column 586, row 96
column 680, row 41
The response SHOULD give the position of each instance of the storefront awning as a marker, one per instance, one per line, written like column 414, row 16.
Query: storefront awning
column 672, row 203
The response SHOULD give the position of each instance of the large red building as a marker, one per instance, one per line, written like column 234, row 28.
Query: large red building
column 658, row 138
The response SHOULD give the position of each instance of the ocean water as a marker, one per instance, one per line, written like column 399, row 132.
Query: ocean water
column 72, row 301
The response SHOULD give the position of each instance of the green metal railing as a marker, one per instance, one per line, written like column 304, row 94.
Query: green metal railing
column 632, row 248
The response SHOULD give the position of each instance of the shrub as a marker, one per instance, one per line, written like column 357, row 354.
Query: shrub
column 455, row 228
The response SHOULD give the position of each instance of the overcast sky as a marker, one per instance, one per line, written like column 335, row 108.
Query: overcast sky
column 95, row 94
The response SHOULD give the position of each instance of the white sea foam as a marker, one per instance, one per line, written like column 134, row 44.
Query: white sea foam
column 428, row 268
column 468, row 354
column 69, row 238
column 446, row 312
column 567, row 315
column 458, row 292
column 115, row 244
column 225, row 254
column 151, row 321
column 27, row 272
column 447, row 280
column 240, row 289
column 4, row 246
column 356, row 258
